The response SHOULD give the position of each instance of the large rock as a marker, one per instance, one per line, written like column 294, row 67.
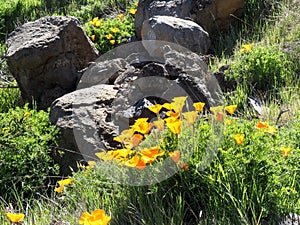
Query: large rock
column 212, row 15
column 183, row 32
column 113, row 93
column 46, row 58
column 77, row 114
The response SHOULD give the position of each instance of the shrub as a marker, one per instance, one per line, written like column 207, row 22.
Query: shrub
column 108, row 33
column 25, row 162
column 252, row 180
column 262, row 67
column 9, row 98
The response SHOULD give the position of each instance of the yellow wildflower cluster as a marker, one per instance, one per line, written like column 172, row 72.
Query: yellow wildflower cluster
column 132, row 137
column 112, row 34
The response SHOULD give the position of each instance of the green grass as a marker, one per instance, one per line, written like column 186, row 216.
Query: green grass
column 251, row 183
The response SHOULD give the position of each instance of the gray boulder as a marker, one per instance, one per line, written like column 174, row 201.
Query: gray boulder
column 183, row 32
column 112, row 94
column 80, row 115
column 212, row 15
column 47, row 56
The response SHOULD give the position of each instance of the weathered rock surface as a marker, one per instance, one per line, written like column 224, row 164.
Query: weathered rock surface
column 183, row 32
column 46, row 58
column 113, row 93
column 291, row 219
column 79, row 114
column 212, row 15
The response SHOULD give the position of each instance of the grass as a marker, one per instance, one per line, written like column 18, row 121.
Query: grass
column 247, row 183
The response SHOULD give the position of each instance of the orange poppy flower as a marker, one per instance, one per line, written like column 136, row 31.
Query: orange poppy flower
column 285, row 151
column 155, row 108
column 271, row 130
column 220, row 116
column 190, row 116
column 239, row 138
column 199, row 106
column 261, row 125
column 178, row 103
column 230, row 109
column 174, row 126
column 15, row 218
column 98, row 216
column 168, row 106
column 142, row 126
column 149, row 155
column 175, row 156
column 216, row 109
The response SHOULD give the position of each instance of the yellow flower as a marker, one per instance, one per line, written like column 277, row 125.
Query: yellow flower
column 228, row 122
column 104, row 156
column 133, row 141
column 114, row 30
column 271, row 130
column 175, row 156
column 132, row 11
column 120, row 154
column 97, row 24
column 98, row 217
column 190, row 116
column 173, row 114
column 171, row 119
column 112, row 42
column 26, row 114
column 216, row 109
column 93, row 37
column 108, row 36
column 178, row 103
column 155, row 108
column 59, row 189
column 94, row 20
column 121, row 16
column 125, row 134
column 199, row 106
column 149, row 155
column 174, row 126
column 67, row 181
column 168, row 106
column 285, row 151
column 261, row 125
column 90, row 165
column 136, row 4
column 15, row 218
column 230, row 109
column 62, row 184
column 246, row 48
column 142, row 126
column 159, row 124
column 133, row 161
column 239, row 138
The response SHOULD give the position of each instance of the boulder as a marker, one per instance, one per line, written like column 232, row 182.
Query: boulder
column 212, row 15
column 114, row 92
column 47, row 57
column 183, row 32
column 80, row 115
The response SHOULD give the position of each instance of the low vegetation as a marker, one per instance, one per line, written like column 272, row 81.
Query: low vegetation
column 254, row 175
